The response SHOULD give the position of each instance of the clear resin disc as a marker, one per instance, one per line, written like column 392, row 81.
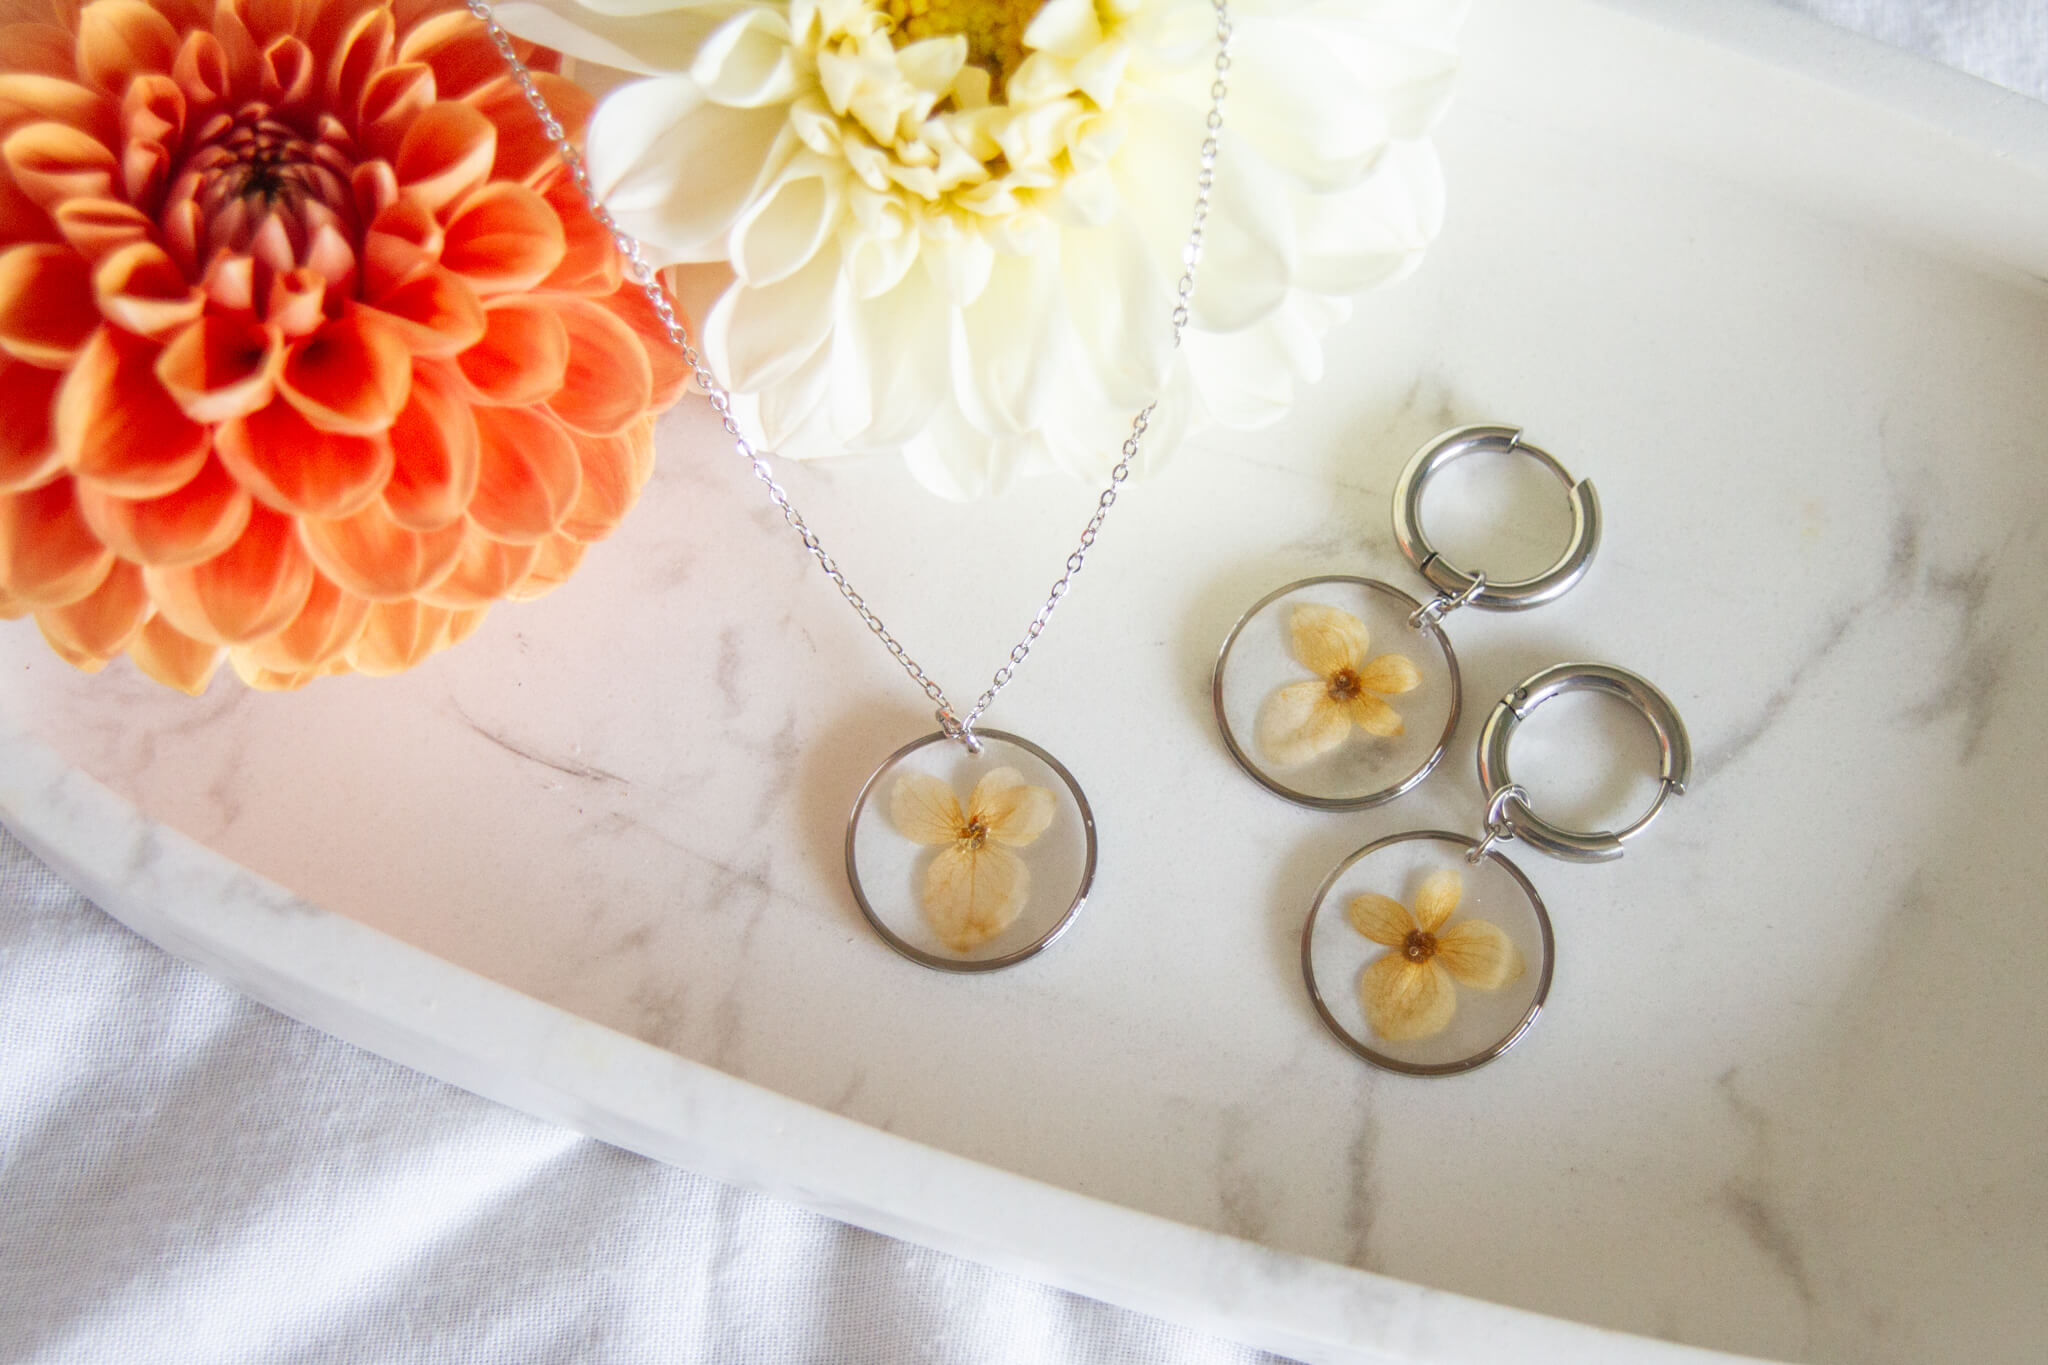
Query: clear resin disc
column 1424, row 963
column 969, row 862
column 1329, row 697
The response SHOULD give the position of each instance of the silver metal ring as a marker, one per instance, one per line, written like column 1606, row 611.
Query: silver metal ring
column 1521, row 594
column 1675, row 764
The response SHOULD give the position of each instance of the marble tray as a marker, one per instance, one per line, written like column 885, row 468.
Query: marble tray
column 1783, row 295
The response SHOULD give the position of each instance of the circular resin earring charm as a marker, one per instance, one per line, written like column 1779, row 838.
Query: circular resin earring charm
column 1341, row 692
column 970, row 859
column 1430, row 953
column 1421, row 960
column 1335, row 692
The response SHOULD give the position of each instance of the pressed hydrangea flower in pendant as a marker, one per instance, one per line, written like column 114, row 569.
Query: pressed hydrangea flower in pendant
column 1441, row 988
column 1332, row 693
column 976, row 883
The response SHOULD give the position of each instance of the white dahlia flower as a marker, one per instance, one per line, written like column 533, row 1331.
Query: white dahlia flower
column 953, row 227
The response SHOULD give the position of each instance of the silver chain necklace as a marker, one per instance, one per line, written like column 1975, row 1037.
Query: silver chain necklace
column 988, row 824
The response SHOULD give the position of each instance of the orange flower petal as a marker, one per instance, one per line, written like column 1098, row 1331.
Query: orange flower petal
column 46, row 305
column 153, row 110
column 49, row 557
column 445, row 155
column 392, row 102
column 121, row 39
column 221, row 367
column 195, row 522
column 96, row 228
column 28, row 444
column 243, row 594
column 296, row 305
column 435, row 313
column 458, row 50
column 664, row 357
column 51, row 93
column 590, row 261
column 374, row 557
column 609, row 379
column 528, row 474
column 53, row 162
column 297, row 468
column 403, row 240
column 174, row 658
column 486, row 571
column 116, row 425
column 558, row 558
column 434, row 441
column 615, row 469
column 523, row 356
column 142, row 290
column 330, row 622
column 201, row 70
column 99, row 625
column 288, row 72
column 350, row 377
column 524, row 152
column 365, row 48
column 504, row 238
column 397, row 636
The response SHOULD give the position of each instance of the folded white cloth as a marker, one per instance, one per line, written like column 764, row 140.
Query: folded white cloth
column 186, row 1176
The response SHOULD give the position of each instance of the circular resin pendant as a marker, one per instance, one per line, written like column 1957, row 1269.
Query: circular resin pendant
column 1422, row 962
column 1329, row 696
column 970, row 862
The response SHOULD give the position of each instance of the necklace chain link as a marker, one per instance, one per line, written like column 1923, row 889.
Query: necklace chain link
column 644, row 274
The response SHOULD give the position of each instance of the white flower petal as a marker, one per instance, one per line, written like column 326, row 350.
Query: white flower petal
column 1376, row 231
column 647, row 42
column 888, row 363
column 1119, row 306
column 676, row 169
column 756, row 337
column 1249, row 257
column 1003, row 350
column 747, row 62
column 1065, row 28
column 879, row 246
column 784, row 410
column 960, row 462
column 786, row 224
column 959, row 260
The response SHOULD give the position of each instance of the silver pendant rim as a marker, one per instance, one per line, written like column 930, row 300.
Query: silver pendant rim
column 1301, row 798
column 971, row 966
column 1365, row 1051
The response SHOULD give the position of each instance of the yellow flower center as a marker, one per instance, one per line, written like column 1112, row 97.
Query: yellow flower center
column 974, row 835
column 1420, row 947
column 1344, row 685
column 994, row 29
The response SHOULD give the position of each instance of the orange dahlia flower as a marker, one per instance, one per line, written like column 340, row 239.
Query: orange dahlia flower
column 309, row 350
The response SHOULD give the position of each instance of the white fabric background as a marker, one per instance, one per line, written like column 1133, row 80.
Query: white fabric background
column 186, row 1176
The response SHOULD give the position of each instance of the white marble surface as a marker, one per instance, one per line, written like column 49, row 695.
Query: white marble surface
column 1779, row 1101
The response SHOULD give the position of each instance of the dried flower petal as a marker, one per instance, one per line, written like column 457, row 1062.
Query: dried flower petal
column 1407, row 1001
column 1326, row 638
column 1013, row 811
column 1390, row 675
column 1437, row 897
column 973, row 894
column 924, row 809
column 1382, row 919
column 1373, row 716
column 1479, row 954
column 1300, row 722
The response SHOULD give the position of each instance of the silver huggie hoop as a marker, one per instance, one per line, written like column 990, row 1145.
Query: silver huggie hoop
column 1477, row 588
column 1675, row 764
